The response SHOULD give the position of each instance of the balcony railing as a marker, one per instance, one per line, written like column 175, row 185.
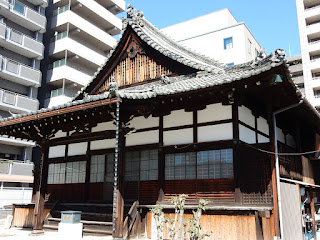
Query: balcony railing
column 17, row 102
column 23, row 15
column 316, row 78
column 15, row 167
column 20, row 73
column 314, row 42
column 32, row 47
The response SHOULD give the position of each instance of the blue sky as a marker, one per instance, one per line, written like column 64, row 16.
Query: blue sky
column 272, row 22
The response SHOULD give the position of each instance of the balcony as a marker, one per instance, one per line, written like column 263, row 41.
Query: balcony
column 16, row 142
column 19, row 73
column 298, row 79
column 314, row 46
column 84, row 55
column 95, row 13
column 17, row 103
column 295, row 68
column 114, row 6
column 42, row 3
column 311, row 12
column 57, row 100
column 20, row 43
column 70, row 74
column 23, row 15
column 313, row 29
column 83, row 30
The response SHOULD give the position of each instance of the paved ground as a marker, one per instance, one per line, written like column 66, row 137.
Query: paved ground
column 28, row 234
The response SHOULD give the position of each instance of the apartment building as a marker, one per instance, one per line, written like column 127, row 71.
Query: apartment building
column 309, row 29
column 79, row 36
column 224, row 39
column 22, row 24
column 296, row 70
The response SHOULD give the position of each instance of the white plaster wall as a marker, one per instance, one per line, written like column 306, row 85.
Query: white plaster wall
column 60, row 134
column 142, row 138
column 142, row 122
column 246, row 134
column 215, row 132
column 103, row 127
column 291, row 141
column 77, row 149
column 57, row 151
column 176, row 137
column 263, row 139
column 263, row 125
column 178, row 118
column 280, row 135
column 246, row 116
column 215, row 112
column 102, row 144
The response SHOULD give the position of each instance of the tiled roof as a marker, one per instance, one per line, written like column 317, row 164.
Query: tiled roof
column 163, row 44
column 180, row 84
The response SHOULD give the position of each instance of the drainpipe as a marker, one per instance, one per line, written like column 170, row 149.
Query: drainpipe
column 277, row 161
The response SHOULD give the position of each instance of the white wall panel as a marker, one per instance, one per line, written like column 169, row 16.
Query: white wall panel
column 215, row 132
column 142, row 122
column 77, row 149
column 57, row 151
column 104, row 126
column 263, row 139
column 103, row 144
column 246, row 134
column 60, row 134
column 142, row 138
column 245, row 115
column 280, row 135
column 215, row 112
column 263, row 125
column 176, row 137
column 178, row 118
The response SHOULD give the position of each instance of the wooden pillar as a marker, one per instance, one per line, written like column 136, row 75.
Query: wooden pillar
column 236, row 152
column 41, row 191
column 161, row 163
column 118, row 201
column 87, row 179
column 273, row 172
column 314, row 226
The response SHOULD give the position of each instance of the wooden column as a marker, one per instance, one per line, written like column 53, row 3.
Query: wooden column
column 41, row 191
column 161, row 163
column 118, row 201
column 87, row 179
column 314, row 226
column 236, row 152
column 273, row 172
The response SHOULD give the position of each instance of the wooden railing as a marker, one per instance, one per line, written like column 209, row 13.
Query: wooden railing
column 130, row 220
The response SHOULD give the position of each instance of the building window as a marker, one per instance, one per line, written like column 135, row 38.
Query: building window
column 213, row 164
column 56, row 92
column 228, row 43
column 230, row 64
column 76, row 172
column 257, row 52
column 101, row 168
column 141, row 166
column 249, row 46
column 56, row 173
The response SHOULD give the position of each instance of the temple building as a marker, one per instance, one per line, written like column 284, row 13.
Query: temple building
column 158, row 120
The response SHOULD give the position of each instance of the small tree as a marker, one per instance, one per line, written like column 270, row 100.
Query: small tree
column 195, row 227
column 160, row 219
column 194, row 224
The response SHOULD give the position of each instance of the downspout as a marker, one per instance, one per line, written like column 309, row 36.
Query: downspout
column 277, row 161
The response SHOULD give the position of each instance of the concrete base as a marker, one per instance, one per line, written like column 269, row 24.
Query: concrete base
column 70, row 230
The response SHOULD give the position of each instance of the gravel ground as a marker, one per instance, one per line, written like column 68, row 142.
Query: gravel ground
column 26, row 234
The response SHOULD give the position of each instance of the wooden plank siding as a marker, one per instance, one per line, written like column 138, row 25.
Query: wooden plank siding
column 229, row 227
column 66, row 192
column 23, row 215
